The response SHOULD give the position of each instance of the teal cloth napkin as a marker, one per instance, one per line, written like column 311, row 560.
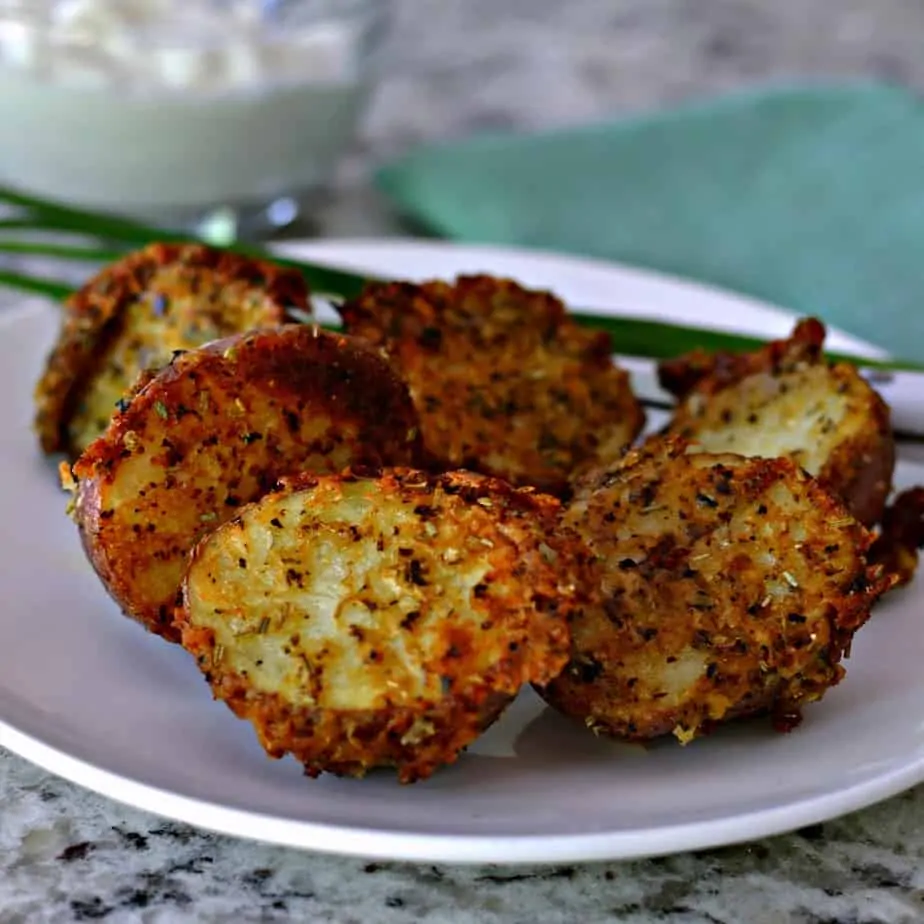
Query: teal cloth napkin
column 809, row 197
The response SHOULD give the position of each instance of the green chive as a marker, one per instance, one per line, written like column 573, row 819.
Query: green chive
column 50, row 288
column 631, row 336
column 62, row 251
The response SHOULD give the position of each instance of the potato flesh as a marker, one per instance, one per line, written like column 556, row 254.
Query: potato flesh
column 503, row 380
column 146, row 489
column 147, row 338
column 128, row 320
column 727, row 586
column 361, row 623
column 216, row 430
column 785, row 400
column 772, row 573
column 801, row 414
column 320, row 577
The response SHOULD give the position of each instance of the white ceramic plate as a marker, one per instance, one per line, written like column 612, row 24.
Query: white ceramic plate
column 88, row 695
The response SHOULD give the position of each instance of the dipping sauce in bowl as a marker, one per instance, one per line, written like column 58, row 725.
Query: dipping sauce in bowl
column 177, row 108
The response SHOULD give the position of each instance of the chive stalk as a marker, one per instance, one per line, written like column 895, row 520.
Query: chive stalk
column 631, row 336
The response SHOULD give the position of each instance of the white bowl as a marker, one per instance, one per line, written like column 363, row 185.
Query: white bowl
column 155, row 108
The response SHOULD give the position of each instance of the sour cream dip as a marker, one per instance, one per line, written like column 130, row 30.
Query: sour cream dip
column 153, row 106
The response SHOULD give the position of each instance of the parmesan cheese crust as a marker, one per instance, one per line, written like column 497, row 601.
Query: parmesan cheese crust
column 132, row 316
column 786, row 400
column 215, row 430
column 727, row 586
column 360, row 622
column 504, row 382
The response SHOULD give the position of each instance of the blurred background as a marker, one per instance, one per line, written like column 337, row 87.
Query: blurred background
column 451, row 68
column 255, row 119
column 456, row 66
column 436, row 70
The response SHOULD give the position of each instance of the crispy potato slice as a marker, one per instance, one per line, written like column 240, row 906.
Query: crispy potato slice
column 505, row 383
column 786, row 400
column 361, row 622
column 216, row 429
column 728, row 586
column 134, row 314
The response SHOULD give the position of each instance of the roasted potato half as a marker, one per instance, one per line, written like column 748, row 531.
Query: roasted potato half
column 134, row 314
column 361, row 622
column 215, row 430
column 505, row 383
column 728, row 586
column 786, row 400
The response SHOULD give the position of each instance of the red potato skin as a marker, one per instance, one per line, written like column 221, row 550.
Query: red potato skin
column 897, row 547
column 505, row 382
column 513, row 631
column 859, row 468
column 216, row 430
column 688, row 547
column 209, row 293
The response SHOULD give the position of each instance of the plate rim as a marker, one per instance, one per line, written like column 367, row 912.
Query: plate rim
column 461, row 848
column 304, row 248
column 370, row 843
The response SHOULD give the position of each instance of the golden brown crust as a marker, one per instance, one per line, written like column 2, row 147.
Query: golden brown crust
column 363, row 621
column 215, row 430
column 710, row 373
column 902, row 536
column 505, row 383
column 785, row 400
column 135, row 313
column 728, row 586
column 860, row 467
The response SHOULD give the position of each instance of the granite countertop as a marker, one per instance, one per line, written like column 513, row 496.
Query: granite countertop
column 457, row 66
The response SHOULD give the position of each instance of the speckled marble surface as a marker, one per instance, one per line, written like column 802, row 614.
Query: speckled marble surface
column 69, row 855
column 457, row 66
